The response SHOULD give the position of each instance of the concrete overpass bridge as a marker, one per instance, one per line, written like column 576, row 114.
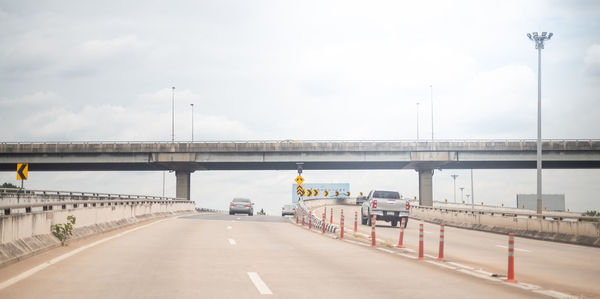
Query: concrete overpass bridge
column 185, row 157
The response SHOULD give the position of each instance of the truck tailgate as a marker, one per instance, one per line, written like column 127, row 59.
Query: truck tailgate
column 396, row 205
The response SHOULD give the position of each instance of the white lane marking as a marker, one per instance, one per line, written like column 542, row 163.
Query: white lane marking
column 430, row 256
column 554, row 294
column 443, row 265
column 229, row 227
column 385, row 250
column 231, row 241
column 354, row 242
column 238, row 218
column 516, row 249
column 477, row 275
column 57, row 259
column 461, row 266
column 260, row 285
column 407, row 256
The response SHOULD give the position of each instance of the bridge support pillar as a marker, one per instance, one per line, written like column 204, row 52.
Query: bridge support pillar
column 182, row 189
column 426, row 187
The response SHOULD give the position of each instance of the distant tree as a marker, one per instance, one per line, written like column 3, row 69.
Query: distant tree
column 591, row 213
column 9, row 185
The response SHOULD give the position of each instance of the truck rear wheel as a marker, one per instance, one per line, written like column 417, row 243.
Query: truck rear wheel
column 405, row 221
column 394, row 222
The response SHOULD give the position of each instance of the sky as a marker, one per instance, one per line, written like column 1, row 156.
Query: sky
column 301, row 70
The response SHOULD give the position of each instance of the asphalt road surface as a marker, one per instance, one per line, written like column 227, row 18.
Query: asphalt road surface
column 222, row 256
column 562, row 267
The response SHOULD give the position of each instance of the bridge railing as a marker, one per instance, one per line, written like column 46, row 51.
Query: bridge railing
column 23, row 201
column 513, row 213
column 4, row 192
column 296, row 141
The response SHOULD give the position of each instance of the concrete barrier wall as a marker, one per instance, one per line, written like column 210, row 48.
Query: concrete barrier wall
column 24, row 234
column 583, row 233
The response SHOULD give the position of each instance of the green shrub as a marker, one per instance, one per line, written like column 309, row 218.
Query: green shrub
column 64, row 230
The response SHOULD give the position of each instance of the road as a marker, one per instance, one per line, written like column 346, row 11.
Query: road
column 563, row 267
column 222, row 256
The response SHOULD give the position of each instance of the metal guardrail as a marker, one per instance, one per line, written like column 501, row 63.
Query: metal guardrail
column 529, row 214
column 295, row 141
column 109, row 196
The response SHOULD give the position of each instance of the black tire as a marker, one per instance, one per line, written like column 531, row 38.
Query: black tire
column 250, row 214
column 394, row 222
column 405, row 221
column 230, row 213
column 369, row 221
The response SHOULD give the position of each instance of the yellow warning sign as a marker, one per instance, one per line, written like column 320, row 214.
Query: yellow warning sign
column 22, row 169
column 299, row 180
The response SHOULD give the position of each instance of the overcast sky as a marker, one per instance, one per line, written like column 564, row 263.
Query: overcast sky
column 302, row 70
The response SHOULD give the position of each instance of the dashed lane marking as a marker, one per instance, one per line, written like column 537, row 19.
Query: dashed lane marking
column 260, row 285
column 231, row 241
column 229, row 227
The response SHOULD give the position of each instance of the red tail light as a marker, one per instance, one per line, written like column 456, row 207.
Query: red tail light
column 283, row 208
column 232, row 205
column 407, row 205
column 374, row 204
column 247, row 205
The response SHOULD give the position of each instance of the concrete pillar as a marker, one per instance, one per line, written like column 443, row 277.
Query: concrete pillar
column 426, row 187
column 182, row 184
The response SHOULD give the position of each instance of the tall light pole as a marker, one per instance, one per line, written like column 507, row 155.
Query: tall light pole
column 472, row 192
column 431, row 89
column 173, row 114
column 417, row 120
column 454, row 176
column 539, row 45
column 192, row 121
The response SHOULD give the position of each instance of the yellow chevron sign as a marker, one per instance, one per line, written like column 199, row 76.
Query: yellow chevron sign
column 315, row 192
column 300, row 190
column 326, row 192
column 22, row 169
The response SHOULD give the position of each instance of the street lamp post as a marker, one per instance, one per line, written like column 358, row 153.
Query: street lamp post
column 417, row 120
column 431, row 89
column 192, row 122
column 173, row 114
column 454, row 176
column 539, row 45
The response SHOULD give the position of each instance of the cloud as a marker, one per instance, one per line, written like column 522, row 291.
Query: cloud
column 592, row 60
column 34, row 100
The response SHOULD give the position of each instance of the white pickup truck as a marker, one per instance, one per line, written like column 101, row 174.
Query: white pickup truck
column 385, row 205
